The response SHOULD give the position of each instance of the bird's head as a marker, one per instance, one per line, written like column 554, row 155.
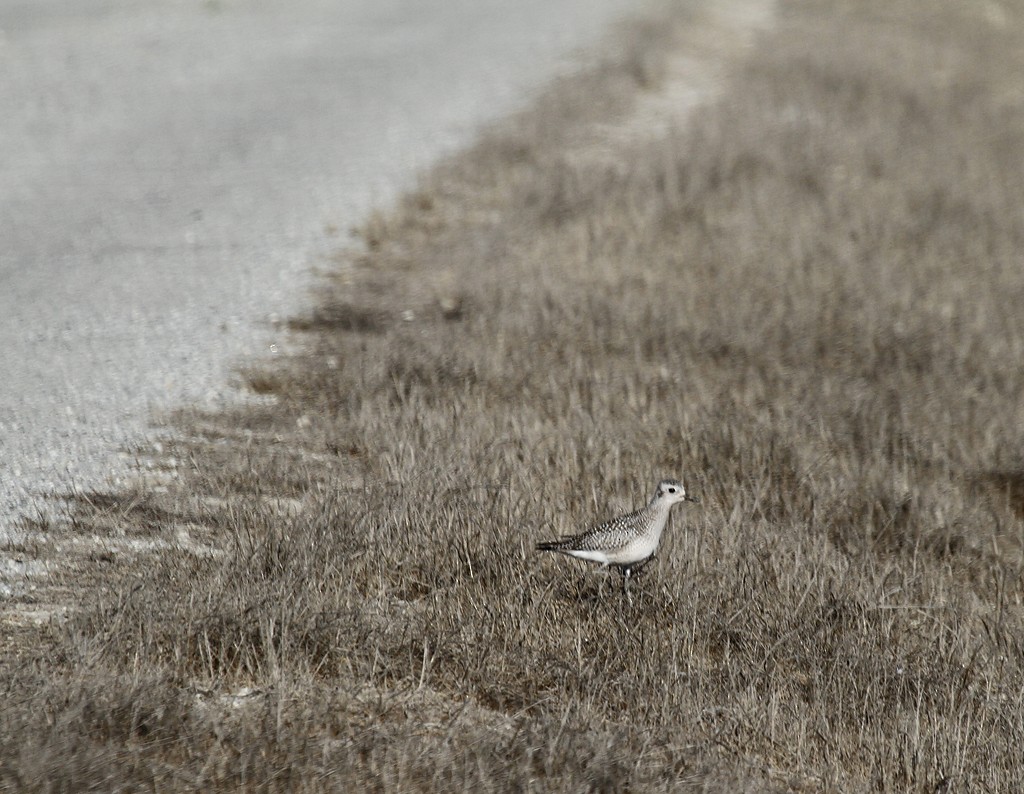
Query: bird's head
column 670, row 492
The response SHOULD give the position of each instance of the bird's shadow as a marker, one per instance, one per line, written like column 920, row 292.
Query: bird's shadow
column 604, row 588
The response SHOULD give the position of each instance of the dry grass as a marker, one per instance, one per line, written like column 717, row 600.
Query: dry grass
column 807, row 303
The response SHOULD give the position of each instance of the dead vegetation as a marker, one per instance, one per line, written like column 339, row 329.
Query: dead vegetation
column 807, row 302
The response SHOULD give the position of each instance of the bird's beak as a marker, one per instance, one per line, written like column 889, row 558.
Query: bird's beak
column 692, row 498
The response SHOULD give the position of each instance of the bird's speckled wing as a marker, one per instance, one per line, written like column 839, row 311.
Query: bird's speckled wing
column 613, row 534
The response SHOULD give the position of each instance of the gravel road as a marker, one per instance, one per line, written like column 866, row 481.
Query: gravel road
column 169, row 174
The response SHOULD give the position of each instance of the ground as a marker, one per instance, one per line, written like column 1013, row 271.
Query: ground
column 801, row 299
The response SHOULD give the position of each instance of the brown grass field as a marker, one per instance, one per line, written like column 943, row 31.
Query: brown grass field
column 807, row 301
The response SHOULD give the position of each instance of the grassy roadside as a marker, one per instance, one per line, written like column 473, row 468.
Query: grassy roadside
column 806, row 302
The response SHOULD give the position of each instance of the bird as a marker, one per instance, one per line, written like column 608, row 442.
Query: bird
column 627, row 542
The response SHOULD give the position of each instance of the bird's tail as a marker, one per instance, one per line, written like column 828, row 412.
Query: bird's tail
column 551, row 545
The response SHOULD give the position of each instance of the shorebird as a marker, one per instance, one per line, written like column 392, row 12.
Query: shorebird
column 629, row 541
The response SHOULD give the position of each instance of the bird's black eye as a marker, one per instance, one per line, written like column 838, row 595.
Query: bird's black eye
column 671, row 490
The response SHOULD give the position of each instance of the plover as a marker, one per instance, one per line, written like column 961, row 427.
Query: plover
column 627, row 542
